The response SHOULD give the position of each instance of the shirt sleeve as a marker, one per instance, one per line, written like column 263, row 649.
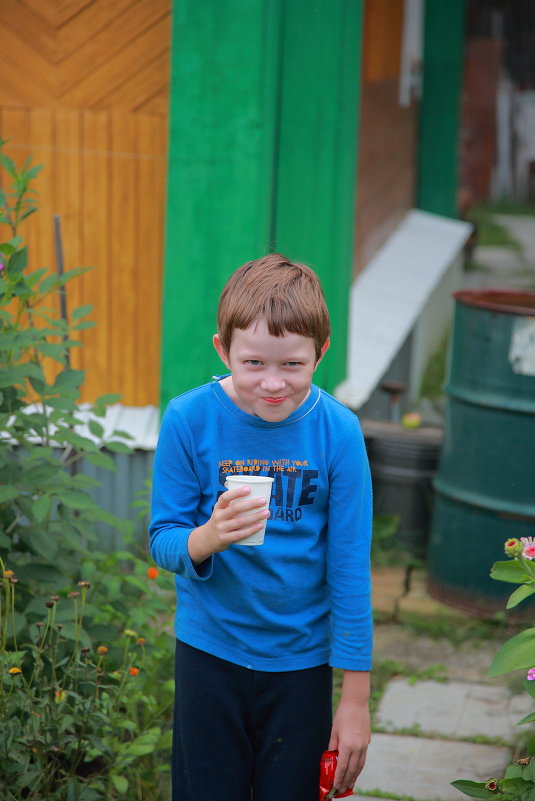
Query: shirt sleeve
column 175, row 500
column 348, row 553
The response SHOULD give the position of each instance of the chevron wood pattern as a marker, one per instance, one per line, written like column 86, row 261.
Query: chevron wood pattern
column 99, row 54
column 84, row 89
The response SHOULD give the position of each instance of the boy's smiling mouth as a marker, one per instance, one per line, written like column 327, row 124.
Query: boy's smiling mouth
column 274, row 401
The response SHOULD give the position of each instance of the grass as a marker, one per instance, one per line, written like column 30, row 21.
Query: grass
column 489, row 231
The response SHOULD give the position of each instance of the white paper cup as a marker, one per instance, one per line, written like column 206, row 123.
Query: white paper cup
column 260, row 488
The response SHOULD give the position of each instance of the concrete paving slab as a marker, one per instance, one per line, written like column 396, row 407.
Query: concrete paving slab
column 451, row 709
column 424, row 769
column 499, row 259
column 522, row 227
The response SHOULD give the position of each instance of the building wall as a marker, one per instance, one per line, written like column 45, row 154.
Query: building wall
column 84, row 89
column 387, row 134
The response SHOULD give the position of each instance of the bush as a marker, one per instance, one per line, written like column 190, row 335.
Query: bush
column 76, row 724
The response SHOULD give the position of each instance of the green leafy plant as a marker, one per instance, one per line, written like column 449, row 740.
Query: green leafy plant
column 78, row 721
column 47, row 515
column 518, row 653
column 49, row 541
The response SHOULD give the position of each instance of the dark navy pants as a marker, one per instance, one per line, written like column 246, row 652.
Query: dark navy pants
column 242, row 734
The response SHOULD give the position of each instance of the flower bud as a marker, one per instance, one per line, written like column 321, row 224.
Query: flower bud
column 513, row 547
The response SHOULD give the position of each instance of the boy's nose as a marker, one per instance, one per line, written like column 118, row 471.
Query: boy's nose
column 273, row 382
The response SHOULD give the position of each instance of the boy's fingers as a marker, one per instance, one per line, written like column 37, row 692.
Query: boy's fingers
column 231, row 495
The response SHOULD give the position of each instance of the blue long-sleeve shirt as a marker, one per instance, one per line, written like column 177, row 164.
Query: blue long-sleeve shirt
column 303, row 597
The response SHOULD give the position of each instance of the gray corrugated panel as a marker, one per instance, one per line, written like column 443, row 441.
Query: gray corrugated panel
column 117, row 492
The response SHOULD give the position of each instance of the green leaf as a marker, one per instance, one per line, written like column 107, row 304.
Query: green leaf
column 100, row 459
column 8, row 165
column 107, row 399
column 69, row 378
column 516, row 653
column 83, row 326
column 511, row 571
column 41, row 508
column 75, row 500
column 8, row 493
column 96, row 428
column 117, row 447
column 513, row 772
column 120, row 783
column 474, row 789
column 49, row 283
column 513, row 788
column 520, row 594
column 18, row 261
column 81, row 311
column 528, row 719
column 56, row 350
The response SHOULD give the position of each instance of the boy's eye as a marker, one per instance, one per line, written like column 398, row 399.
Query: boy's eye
column 293, row 364
column 253, row 362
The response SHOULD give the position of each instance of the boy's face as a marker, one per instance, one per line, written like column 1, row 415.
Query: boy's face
column 271, row 376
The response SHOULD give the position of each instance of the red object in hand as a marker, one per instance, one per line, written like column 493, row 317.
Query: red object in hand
column 327, row 770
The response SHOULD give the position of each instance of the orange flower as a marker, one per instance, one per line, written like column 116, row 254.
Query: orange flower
column 134, row 671
column 8, row 574
column 152, row 572
column 14, row 671
column 141, row 641
column 102, row 650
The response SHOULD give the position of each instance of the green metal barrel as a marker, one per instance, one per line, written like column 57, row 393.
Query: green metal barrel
column 485, row 484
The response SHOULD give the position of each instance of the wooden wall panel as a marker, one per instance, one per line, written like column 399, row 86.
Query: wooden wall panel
column 84, row 88
column 382, row 40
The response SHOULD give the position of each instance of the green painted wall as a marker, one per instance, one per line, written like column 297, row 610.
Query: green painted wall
column 264, row 99
column 438, row 168
column 316, row 182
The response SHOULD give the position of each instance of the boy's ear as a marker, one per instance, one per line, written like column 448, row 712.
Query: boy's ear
column 324, row 348
column 221, row 352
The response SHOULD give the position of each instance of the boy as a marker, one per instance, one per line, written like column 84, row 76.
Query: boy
column 259, row 627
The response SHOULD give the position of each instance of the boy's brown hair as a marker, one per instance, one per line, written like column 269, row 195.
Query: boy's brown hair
column 287, row 295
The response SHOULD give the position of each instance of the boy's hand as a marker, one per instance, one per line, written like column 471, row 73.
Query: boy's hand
column 350, row 733
column 225, row 526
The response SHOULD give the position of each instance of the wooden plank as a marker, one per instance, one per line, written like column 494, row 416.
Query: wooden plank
column 40, row 225
column 17, row 88
column 124, row 256
column 158, row 104
column 93, row 20
column 42, row 124
column 152, row 167
column 55, row 12
column 382, row 40
column 28, row 59
column 67, row 204
column 103, row 62
column 140, row 87
column 14, row 15
column 95, row 249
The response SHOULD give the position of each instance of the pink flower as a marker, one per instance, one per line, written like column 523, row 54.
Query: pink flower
column 2, row 266
column 529, row 547
column 531, row 674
